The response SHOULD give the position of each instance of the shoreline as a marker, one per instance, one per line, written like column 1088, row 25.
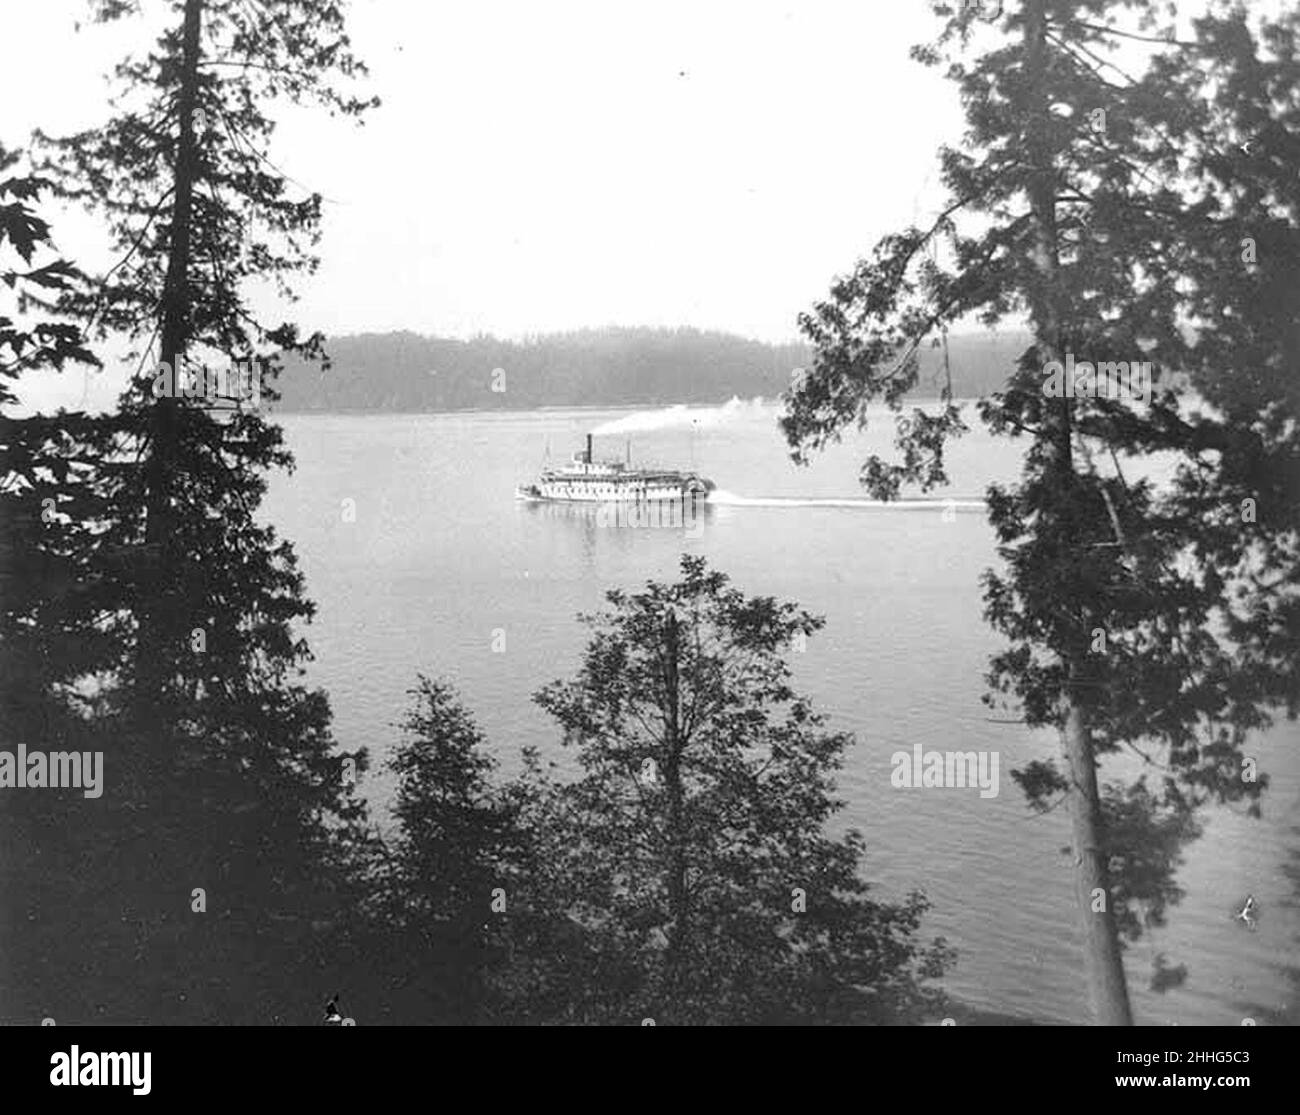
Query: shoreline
column 582, row 407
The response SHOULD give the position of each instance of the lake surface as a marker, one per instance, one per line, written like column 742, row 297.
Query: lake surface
column 440, row 560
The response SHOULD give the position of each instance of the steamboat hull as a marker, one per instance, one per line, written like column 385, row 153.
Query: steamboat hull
column 585, row 480
column 534, row 493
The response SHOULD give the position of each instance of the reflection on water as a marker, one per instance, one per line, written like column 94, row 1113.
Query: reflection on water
column 684, row 519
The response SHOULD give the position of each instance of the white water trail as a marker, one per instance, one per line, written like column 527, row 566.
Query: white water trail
column 681, row 417
column 721, row 498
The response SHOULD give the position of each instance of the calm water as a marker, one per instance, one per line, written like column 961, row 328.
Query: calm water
column 440, row 557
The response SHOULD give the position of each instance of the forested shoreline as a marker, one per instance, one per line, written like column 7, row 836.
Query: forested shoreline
column 406, row 372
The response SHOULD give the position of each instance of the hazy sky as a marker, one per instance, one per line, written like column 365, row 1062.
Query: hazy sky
column 551, row 165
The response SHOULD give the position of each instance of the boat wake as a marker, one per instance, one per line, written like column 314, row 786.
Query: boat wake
column 720, row 498
column 683, row 417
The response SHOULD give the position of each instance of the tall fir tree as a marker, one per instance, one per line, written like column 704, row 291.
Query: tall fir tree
column 225, row 793
column 1097, row 216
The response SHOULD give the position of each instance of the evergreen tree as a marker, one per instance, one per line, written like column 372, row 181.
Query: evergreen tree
column 1243, row 165
column 444, row 880
column 1103, row 205
column 691, row 852
column 218, row 852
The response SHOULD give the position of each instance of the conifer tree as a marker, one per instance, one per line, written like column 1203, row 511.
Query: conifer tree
column 1107, row 209
column 692, row 851
column 445, row 878
column 228, row 816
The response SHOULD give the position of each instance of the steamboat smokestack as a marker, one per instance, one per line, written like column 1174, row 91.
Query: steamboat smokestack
column 589, row 460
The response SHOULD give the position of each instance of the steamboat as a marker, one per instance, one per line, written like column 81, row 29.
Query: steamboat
column 586, row 480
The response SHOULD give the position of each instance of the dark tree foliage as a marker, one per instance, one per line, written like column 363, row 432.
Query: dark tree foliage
column 180, row 173
column 39, row 571
column 179, row 622
column 1243, row 164
column 441, row 883
column 37, row 455
column 1114, row 211
column 691, row 853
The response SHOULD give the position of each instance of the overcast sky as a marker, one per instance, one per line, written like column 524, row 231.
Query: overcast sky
column 539, row 166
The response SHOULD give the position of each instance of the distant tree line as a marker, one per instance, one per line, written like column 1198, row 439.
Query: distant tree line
column 601, row 367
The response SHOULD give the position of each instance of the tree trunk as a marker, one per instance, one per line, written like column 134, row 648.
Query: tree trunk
column 1107, row 988
column 1108, row 991
column 157, row 641
column 677, row 896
